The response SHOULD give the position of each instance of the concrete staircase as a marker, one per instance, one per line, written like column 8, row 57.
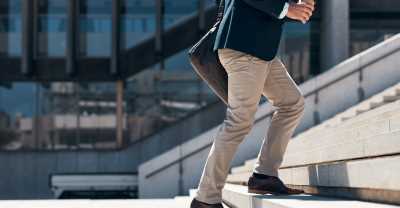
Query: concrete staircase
column 357, row 99
column 355, row 155
column 237, row 197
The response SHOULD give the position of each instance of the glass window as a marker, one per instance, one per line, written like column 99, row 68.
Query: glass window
column 52, row 28
column 175, row 10
column 10, row 28
column 59, row 115
column 19, row 109
column 366, row 32
column 138, row 21
column 95, row 28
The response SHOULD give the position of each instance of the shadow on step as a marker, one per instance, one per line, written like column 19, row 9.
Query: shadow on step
column 304, row 197
column 362, row 194
column 332, row 180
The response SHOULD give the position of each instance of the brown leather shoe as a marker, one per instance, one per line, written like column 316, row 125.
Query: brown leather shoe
column 198, row 204
column 270, row 185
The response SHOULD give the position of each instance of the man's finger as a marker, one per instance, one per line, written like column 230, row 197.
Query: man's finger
column 305, row 17
column 305, row 5
column 308, row 7
column 310, row 3
column 306, row 10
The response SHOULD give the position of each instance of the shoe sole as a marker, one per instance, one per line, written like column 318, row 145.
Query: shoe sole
column 257, row 191
column 263, row 192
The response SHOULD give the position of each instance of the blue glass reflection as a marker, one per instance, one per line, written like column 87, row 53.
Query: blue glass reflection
column 10, row 28
column 138, row 21
column 175, row 10
column 52, row 27
column 95, row 28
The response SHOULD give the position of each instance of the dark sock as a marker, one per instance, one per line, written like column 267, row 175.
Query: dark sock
column 261, row 176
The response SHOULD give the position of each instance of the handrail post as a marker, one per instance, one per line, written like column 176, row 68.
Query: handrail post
column 316, row 115
column 360, row 90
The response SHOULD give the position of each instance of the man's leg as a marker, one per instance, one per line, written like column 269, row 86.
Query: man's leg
column 245, row 85
column 283, row 93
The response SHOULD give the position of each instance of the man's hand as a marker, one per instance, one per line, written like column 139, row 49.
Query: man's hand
column 302, row 11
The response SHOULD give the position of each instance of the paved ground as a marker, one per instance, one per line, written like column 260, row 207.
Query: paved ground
column 128, row 203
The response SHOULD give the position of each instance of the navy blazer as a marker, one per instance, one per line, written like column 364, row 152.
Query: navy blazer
column 251, row 26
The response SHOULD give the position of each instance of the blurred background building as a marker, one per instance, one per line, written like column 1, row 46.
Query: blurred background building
column 101, row 86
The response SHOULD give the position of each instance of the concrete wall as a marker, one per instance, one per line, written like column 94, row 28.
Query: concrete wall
column 25, row 174
column 379, row 70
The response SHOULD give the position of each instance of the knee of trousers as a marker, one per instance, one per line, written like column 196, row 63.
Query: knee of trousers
column 296, row 104
column 235, row 126
column 300, row 104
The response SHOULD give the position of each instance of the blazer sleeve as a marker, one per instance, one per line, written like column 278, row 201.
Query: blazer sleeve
column 271, row 7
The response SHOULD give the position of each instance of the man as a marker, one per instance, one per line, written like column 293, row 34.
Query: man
column 247, row 42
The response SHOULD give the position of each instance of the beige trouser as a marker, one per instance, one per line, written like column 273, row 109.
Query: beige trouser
column 250, row 77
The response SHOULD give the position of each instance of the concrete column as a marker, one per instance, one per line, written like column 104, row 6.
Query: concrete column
column 335, row 33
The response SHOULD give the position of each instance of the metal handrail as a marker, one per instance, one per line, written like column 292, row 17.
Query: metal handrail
column 314, row 91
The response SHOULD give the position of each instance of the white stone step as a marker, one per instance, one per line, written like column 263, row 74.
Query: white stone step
column 381, row 173
column 183, row 201
column 375, row 173
column 85, row 203
column 370, row 134
column 362, row 139
column 376, row 114
column 380, row 144
column 192, row 194
column 361, row 154
column 237, row 196
column 391, row 94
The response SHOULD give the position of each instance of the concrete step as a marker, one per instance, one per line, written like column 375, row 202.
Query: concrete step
column 183, row 201
column 237, row 196
column 374, row 133
column 84, row 203
column 389, row 95
column 358, row 158
column 360, row 120
column 355, row 139
column 374, row 179
column 192, row 194
column 382, row 173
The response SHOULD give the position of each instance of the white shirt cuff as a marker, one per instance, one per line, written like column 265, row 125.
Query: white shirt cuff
column 284, row 11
